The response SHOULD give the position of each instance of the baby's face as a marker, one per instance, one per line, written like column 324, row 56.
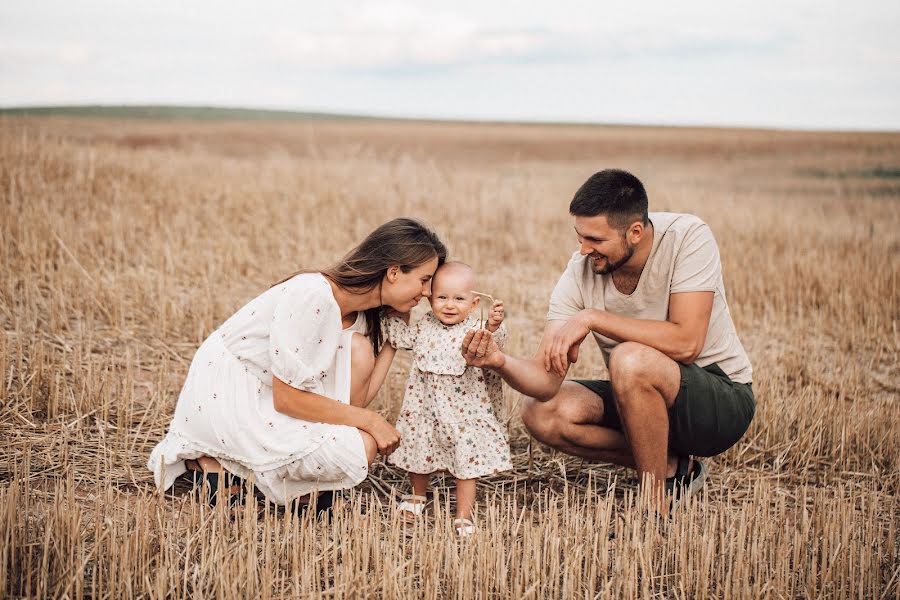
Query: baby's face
column 451, row 297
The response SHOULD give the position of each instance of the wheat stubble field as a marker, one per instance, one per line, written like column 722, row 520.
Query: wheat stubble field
column 124, row 243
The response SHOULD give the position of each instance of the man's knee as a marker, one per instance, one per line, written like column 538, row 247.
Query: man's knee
column 538, row 418
column 634, row 367
column 362, row 355
column 545, row 421
column 630, row 364
column 531, row 414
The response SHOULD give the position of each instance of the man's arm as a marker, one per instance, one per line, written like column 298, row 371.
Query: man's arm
column 527, row 376
column 680, row 337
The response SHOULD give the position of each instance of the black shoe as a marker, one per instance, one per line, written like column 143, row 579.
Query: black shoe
column 210, row 480
column 324, row 502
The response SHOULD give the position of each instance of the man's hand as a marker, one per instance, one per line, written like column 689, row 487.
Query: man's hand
column 565, row 344
column 480, row 350
column 495, row 318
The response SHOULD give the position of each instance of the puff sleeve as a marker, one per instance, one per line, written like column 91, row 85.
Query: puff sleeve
column 400, row 335
column 501, row 336
column 305, row 333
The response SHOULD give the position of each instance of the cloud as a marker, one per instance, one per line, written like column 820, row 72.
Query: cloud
column 396, row 36
column 381, row 50
column 808, row 63
column 25, row 57
column 73, row 54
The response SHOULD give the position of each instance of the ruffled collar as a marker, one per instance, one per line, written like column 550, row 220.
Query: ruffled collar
column 466, row 324
column 438, row 348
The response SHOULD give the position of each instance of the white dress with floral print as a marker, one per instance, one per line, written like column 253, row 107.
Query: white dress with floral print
column 225, row 410
column 451, row 414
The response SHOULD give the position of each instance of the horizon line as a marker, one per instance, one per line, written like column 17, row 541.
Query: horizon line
column 196, row 113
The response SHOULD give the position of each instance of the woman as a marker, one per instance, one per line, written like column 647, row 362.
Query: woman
column 279, row 392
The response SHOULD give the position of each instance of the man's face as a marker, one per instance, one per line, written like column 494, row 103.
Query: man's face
column 607, row 247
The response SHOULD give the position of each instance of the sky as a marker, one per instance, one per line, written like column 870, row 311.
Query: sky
column 804, row 64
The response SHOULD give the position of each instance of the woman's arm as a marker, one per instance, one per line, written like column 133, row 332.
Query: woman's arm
column 379, row 373
column 309, row 406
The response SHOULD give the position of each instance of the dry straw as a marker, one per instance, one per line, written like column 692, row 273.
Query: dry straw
column 481, row 320
column 124, row 244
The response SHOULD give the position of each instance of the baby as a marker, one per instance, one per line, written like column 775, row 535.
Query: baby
column 450, row 419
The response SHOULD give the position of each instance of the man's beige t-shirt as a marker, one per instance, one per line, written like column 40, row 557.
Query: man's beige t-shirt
column 684, row 258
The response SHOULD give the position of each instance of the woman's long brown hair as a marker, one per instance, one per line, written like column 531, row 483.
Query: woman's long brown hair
column 404, row 242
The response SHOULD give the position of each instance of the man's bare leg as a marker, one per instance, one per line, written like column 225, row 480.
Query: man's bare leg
column 645, row 383
column 569, row 423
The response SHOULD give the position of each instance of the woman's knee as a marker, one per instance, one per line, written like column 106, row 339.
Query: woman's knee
column 370, row 446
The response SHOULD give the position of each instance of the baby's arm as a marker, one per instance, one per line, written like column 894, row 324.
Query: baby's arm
column 495, row 317
column 501, row 336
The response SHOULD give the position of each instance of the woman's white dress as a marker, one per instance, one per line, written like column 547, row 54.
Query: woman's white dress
column 294, row 332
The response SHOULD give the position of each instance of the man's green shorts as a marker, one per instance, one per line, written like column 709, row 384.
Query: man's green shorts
column 711, row 412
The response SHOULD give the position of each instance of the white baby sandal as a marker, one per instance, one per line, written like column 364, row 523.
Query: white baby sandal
column 412, row 506
column 464, row 527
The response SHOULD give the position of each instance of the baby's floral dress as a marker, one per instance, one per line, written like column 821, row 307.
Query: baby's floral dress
column 451, row 414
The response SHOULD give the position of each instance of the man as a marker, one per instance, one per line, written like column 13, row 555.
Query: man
column 649, row 288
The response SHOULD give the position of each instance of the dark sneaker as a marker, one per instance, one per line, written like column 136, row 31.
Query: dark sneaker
column 687, row 479
column 324, row 502
column 210, row 481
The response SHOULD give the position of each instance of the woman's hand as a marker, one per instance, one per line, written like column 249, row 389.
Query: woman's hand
column 495, row 318
column 563, row 349
column 480, row 350
column 387, row 438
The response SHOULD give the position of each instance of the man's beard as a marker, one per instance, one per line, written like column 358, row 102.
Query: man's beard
column 609, row 267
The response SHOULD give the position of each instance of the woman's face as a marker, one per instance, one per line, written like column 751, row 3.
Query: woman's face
column 402, row 291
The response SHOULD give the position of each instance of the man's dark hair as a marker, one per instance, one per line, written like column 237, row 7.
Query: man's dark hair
column 617, row 194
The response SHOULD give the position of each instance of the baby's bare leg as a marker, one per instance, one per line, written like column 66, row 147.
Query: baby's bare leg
column 419, row 483
column 465, row 498
column 413, row 504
